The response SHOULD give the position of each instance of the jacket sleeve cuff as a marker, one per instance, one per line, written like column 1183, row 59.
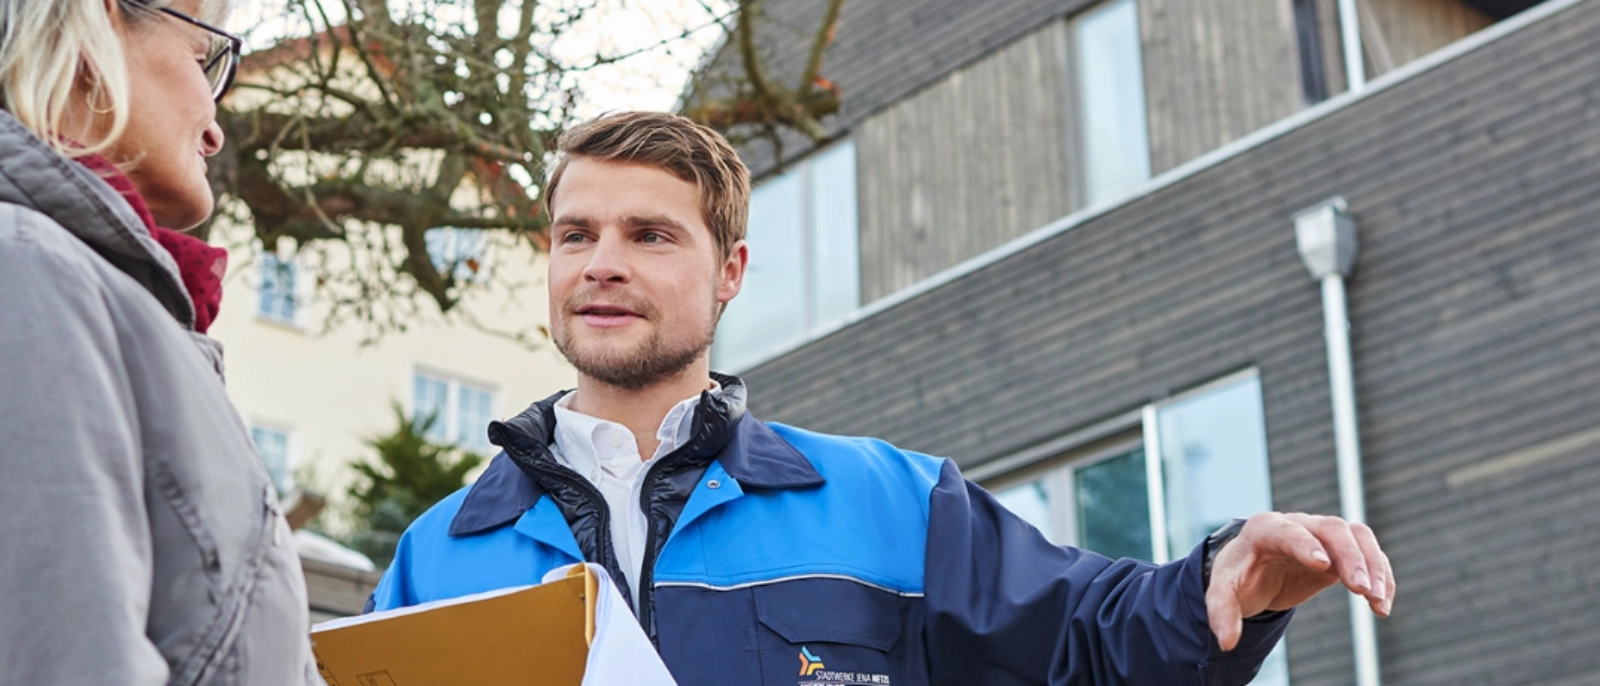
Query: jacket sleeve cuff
column 1261, row 632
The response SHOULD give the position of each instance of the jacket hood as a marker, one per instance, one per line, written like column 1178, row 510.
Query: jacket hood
column 35, row 176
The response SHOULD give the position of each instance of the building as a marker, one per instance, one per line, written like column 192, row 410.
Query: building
column 1056, row 241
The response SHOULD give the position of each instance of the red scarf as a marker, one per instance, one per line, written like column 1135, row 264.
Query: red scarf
column 200, row 264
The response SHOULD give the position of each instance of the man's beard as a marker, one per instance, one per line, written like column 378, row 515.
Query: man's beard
column 653, row 361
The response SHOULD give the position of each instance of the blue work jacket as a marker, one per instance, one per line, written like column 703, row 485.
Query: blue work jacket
column 802, row 559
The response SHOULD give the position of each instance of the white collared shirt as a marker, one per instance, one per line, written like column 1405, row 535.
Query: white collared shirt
column 606, row 454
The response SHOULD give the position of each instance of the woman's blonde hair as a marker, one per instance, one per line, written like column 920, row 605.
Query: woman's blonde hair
column 48, row 47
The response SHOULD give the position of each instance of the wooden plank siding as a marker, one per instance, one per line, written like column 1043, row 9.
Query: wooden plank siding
column 1408, row 29
column 966, row 165
column 1476, row 314
column 1215, row 70
column 881, row 54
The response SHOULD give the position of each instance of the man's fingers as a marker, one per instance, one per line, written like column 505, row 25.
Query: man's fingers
column 1348, row 560
column 1378, row 567
column 1298, row 541
column 1222, row 608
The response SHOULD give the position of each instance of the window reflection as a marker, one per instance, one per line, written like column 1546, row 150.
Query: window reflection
column 1113, row 506
column 804, row 271
column 1116, row 145
column 1214, row 451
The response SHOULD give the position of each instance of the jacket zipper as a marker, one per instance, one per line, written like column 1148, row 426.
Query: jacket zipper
column 647, row 570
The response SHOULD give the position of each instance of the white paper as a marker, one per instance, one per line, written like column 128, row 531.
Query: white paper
column 343, row 622
column 621, row 654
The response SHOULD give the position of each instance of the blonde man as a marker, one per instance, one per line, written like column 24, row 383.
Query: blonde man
column 756, row 553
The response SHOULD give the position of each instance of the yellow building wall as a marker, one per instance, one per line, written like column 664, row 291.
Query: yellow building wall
column 329, row 392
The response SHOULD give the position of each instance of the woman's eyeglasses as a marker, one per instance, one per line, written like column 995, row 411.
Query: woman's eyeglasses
column 222, row 57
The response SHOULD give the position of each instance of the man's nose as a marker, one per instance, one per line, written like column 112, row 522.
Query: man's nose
column 607, row 262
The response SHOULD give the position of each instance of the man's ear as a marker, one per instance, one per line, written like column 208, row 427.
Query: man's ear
column 732, row 272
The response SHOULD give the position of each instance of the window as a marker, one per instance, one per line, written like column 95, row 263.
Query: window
column 460, row 411
column 457, row 252
column 279, row 299
column 1111, row 109
column 272, row 445
column 804, row 271
column 1155, row 490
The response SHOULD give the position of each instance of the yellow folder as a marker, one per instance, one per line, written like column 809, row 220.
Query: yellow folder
column 527, row 635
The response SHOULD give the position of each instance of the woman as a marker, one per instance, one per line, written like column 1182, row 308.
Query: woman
column 140, row 540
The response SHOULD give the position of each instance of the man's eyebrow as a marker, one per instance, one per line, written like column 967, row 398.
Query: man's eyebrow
column 660, row 220
column 571, row 222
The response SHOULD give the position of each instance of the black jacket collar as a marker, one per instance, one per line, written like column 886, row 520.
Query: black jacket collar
column 753, row 455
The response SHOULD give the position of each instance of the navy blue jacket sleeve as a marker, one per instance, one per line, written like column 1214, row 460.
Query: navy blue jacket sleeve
column 1007, row 607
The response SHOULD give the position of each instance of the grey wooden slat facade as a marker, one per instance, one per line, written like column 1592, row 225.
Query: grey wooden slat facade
column 964, row 125
column 1476, row 309
column 1215, row 70
column 965, row 165
column 883, row 52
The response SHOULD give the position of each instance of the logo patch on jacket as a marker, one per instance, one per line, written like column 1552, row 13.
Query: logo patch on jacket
column 811, row 665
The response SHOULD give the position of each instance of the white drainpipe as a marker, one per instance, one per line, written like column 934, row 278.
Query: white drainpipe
column 1326, row 235
column 1355, row 68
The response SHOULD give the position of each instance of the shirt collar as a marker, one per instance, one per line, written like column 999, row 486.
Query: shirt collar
column 576, row 433
column 756, row 457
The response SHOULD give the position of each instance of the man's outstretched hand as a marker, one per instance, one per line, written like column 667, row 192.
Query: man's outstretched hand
column 1280, row 560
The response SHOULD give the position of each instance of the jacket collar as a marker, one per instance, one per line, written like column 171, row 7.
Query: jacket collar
column 34, row 175
column 755, row 456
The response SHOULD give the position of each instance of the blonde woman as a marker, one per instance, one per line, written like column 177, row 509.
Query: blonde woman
column 140, row 540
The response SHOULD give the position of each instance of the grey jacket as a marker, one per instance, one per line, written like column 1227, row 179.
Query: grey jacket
column 140, row 537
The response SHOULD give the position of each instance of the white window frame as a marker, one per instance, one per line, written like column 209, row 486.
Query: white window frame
column 1058, row 460
column 450, row 416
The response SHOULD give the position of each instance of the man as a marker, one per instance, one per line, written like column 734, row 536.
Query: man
column 756, row 553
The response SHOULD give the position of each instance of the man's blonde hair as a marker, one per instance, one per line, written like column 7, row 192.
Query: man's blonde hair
column 676, row 145
column 48, row 47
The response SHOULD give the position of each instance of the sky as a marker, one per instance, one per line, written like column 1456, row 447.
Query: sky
column 650, row 80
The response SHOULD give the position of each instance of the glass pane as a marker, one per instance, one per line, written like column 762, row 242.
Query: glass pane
column 1114, row 507
column 1214, row 457
column 1116, row 146
column 1214, row 462
column 771, row 309
column 1031, row 502
column 428, row 398
column 836, row 246
column 277, row 288
column 472, row 417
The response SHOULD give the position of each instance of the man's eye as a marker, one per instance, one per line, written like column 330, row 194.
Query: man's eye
column 652, row 237
column 573, row 237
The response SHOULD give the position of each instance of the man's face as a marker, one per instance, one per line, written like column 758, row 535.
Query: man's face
column 636, row 279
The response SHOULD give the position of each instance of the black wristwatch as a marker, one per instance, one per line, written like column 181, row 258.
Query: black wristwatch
column 1214, row 544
